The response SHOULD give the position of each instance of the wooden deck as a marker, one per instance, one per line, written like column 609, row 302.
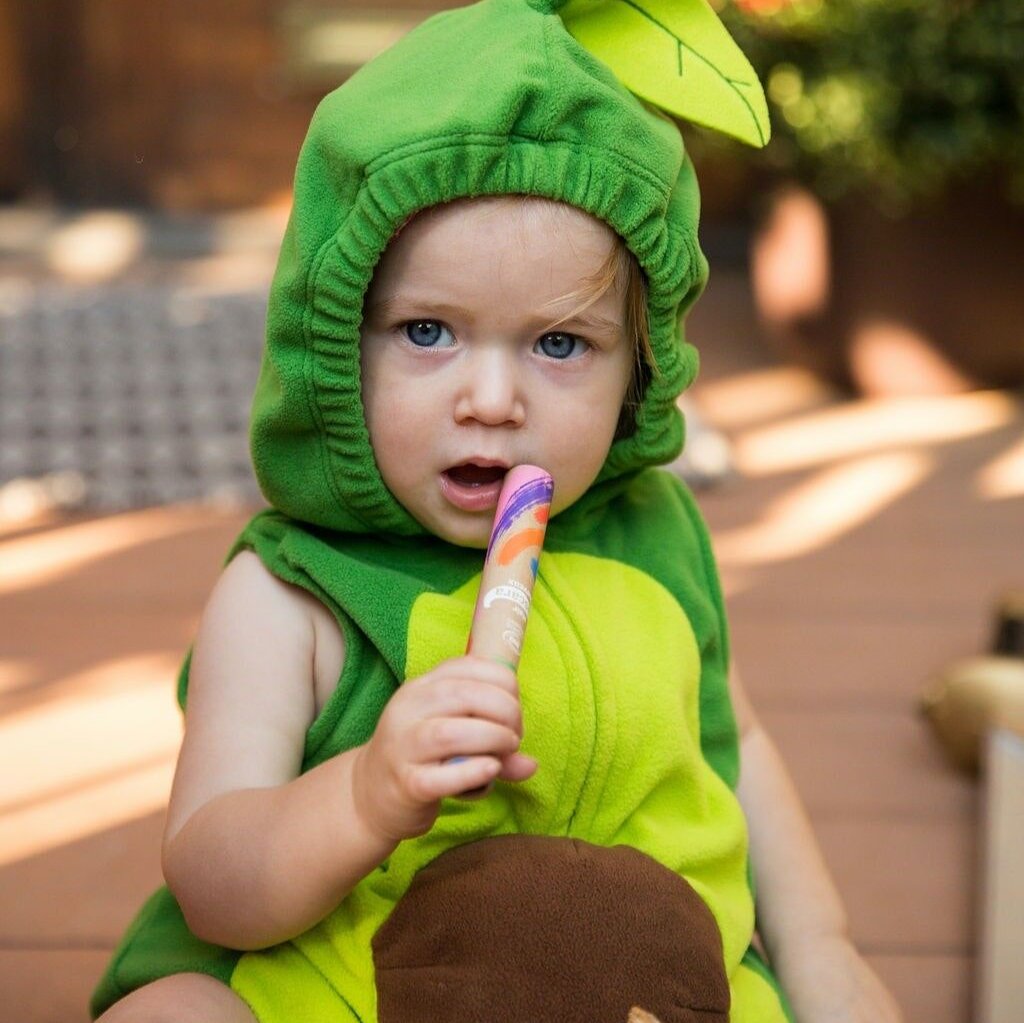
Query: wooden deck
column 861, row 543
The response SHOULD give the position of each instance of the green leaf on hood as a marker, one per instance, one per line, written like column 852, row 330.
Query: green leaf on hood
column 676, row 55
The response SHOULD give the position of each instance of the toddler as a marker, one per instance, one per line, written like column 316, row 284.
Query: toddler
column 492, row 243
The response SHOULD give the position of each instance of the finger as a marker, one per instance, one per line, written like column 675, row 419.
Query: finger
column 517, row 767
column 455, row 777
column 477, row 669
column 494, row 673
column 443, row 738
column 467, row 698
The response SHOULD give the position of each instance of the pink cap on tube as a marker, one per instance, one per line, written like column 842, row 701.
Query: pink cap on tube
column 510, row 567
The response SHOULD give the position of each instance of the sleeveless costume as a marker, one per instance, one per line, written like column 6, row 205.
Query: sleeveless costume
column 618, row 875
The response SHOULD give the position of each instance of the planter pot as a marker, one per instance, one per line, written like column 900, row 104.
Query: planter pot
column 930, row 303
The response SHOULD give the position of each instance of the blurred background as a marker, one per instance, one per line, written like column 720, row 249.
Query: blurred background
column 855, row 435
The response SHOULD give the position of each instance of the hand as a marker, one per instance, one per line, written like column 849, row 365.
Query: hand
column 828, row 981
column 466, row 708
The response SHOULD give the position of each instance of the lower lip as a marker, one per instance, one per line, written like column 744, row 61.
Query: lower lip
column 482, row 497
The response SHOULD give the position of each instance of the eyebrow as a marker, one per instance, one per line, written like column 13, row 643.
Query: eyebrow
column 387, row 306
column 585, row 318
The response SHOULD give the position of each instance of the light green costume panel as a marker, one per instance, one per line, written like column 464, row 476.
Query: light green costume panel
column 613, row 721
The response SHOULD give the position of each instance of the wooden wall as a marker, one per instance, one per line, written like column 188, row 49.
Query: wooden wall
column 13, row 169
column 182, row 105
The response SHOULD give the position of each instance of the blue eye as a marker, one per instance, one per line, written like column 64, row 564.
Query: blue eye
column 559, row 345
column 428, row 334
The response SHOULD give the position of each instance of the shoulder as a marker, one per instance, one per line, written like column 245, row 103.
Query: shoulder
column 653, row 516
column 256, row 631
column 249, row 596
column 670, row 539
column 246, row 587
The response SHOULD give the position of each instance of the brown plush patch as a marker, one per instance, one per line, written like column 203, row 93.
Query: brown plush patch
column 535, row 929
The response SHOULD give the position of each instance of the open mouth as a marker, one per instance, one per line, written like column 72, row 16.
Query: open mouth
column 473, row 486
column 470, row 474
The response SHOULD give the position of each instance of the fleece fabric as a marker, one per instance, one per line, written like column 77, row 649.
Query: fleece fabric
column 472, row 939
column 623, row 673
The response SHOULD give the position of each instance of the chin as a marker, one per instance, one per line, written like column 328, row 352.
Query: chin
column 476, row 534
column 466, row 538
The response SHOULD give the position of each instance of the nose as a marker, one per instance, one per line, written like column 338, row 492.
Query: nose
column 490, row 389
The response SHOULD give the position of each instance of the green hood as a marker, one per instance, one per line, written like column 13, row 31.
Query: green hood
column 495, row 98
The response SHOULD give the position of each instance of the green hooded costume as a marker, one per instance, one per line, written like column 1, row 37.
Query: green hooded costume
column 623, row 671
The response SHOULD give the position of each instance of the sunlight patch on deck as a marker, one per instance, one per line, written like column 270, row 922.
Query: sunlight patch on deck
column 825, row 507
column 42, row 558
column 16, row 673
column 869, row 426
column 101, row 755
column 743, row 399
column 1004, row 476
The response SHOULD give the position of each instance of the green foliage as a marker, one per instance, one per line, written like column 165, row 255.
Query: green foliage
column 900, row 98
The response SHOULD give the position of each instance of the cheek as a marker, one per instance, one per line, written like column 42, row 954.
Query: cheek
column 608, row 407
column 368, row 387
column 385, row 396
column 580, row 435
column 389, row 419
column 396, row 435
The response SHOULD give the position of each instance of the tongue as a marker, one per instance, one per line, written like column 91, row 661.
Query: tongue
column 476, row 475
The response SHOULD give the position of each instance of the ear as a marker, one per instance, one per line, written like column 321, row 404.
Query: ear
column 676, row 55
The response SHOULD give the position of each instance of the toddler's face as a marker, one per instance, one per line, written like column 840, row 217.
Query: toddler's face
column 464, row 375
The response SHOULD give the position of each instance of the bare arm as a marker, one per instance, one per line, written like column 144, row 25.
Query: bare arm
column 800, row 915
column 254, row 853
column 796, row 899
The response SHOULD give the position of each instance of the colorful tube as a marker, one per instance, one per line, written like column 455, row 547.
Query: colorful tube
column 510, row 566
